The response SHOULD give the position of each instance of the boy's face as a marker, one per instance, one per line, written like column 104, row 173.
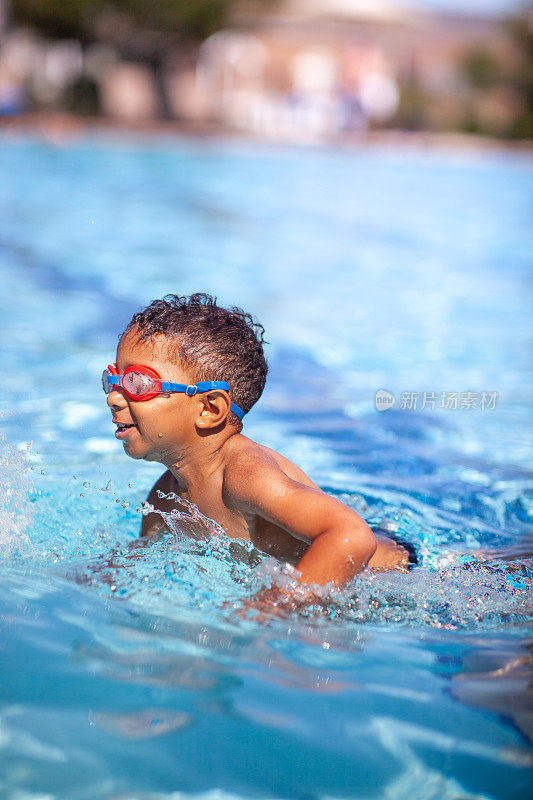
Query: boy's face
column 161, row 428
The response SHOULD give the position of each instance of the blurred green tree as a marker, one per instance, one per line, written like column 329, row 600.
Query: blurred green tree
column 481, row 69
column 184, row 19
column 503, row 79
column 520, row 29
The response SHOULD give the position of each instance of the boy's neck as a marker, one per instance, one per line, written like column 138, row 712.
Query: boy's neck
column 201, row 460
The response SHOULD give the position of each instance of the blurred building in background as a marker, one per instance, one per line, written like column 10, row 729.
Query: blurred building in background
column 291, row 70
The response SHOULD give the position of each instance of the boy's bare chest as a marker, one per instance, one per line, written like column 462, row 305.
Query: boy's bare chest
column 275, row 541
column 264, row 535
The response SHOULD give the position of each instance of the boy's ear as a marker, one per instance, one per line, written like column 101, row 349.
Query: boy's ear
column 215, row 407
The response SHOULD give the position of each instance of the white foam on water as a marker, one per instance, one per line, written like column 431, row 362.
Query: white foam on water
column 16, row 512
column 436, row 787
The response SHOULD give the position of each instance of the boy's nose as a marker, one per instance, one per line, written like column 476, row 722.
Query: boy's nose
column 116, row 400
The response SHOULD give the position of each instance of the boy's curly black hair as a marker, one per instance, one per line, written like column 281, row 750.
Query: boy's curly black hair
column 210, row 343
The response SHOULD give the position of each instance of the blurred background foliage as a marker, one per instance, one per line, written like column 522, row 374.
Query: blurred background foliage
column 488, row 88
column 483, row 72
column 521, row 31
column 79, row 19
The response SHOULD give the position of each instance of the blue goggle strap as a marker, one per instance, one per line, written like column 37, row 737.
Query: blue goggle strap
column 188, row 389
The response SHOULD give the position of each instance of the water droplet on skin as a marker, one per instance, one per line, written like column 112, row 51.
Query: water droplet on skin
column 160, row 435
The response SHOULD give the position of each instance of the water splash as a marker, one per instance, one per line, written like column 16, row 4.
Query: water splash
column 467, row 595
column 193, row 563
column 185, row 519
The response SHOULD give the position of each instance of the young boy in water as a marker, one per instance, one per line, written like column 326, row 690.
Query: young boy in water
column 187, row 371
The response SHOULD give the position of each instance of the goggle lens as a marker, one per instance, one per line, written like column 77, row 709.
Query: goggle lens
column 107, row 387
column 138, row 384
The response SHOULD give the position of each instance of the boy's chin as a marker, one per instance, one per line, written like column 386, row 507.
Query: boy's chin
column 137, row 453
column 143, row 450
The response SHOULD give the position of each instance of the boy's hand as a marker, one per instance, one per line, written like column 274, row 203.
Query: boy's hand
column 341, row 543
column 272, row 602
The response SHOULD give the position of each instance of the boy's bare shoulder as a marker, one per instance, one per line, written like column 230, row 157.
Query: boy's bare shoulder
column 248, row 462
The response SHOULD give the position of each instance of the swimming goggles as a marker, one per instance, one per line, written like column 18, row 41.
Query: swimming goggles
column 143, row 383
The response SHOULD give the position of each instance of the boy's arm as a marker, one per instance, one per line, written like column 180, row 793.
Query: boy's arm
column 341, row 543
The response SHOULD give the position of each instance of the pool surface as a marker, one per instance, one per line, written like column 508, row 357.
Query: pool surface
column 129, row 674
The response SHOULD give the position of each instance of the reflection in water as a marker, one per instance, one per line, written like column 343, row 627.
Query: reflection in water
column 500, row 684
column 141, row 724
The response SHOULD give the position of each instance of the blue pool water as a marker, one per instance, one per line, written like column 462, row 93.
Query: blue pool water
column 128, row 674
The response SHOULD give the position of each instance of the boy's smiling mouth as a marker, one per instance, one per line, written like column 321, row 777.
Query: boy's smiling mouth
column 123, row 429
